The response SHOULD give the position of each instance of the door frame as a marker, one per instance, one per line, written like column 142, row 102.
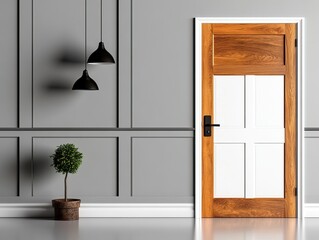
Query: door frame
column 301, row 77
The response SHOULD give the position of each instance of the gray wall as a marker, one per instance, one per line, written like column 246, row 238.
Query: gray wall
column 137, row 131
column 137, row 148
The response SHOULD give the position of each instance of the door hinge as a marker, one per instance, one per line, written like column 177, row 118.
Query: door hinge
column 296, row 191
column 296, row 42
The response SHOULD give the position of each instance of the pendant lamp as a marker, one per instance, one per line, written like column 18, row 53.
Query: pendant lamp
column 85, row 82
column 101, row 55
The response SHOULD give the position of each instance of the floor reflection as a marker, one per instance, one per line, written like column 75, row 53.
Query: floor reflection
column 310, row 229
column 249, row 229
column 98, row 229
column 160, row 229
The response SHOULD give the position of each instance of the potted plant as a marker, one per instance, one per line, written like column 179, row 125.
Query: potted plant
column 66, row 159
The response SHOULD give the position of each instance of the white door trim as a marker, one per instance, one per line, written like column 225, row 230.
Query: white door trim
column 300, row 21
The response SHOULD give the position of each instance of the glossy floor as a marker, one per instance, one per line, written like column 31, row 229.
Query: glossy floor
column 159, row 229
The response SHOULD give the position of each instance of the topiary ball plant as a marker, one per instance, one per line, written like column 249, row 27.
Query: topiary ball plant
column 66, row 159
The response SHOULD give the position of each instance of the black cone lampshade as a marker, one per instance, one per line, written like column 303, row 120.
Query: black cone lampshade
column 101, row 56
column 85, row 83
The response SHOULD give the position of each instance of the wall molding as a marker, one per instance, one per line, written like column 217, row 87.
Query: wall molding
column 88, row 210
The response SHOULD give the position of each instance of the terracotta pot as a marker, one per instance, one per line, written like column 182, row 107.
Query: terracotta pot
column 66, row 210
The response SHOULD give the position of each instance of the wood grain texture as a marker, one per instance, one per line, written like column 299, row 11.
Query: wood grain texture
column 248, row 49
column 207, row 109
column 249, row 29
column 249, row 70
column 241, row 207
column 290, row 121
column 261, row 207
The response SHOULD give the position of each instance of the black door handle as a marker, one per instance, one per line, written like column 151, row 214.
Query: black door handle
column 208, row 125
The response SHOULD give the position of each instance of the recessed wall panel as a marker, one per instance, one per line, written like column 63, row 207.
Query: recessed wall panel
column 229, row 170
column 312, row 166
column 9, row 167
column 96, row 177
column 58, row 61
column 162, row 67
column 9, row 63
column 162, row 167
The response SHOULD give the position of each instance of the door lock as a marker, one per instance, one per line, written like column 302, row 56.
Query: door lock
column 208, row 125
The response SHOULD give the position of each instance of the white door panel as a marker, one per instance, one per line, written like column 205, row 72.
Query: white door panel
column 269, row 167
column 250, row 110
column 269, row 95
column 229, row 101
column 229, row 170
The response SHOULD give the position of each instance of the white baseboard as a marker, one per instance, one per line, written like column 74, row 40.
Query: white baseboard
column 26, row 210
column 311, row 210
column 102, row 210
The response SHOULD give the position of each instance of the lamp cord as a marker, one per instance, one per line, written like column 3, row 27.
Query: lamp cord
column 85, row 33
column 101, row 21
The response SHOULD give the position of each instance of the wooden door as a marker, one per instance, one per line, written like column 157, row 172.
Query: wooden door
column 249, row 88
